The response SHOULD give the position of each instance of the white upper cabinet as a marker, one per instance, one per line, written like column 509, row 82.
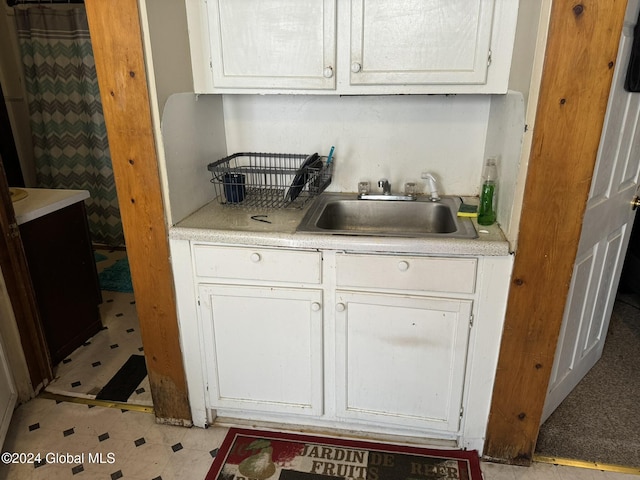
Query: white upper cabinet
column 351, row 46
column 420, row 41
column 272, row 44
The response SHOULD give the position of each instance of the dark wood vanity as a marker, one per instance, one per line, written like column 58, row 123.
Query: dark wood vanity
column 62, row 266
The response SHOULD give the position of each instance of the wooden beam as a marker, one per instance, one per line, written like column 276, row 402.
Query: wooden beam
column 581, row 53
column 117, row 45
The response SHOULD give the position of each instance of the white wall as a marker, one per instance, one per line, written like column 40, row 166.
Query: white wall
column 13, row 348
column 530, row 13
column 504, row 143
column 193, row 137
column 526, row 74
column 396, row 136
column 165, row 30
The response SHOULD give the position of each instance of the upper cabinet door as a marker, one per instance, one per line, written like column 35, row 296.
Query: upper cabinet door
column 351, row 47
column 420, row 41
column 283, row 44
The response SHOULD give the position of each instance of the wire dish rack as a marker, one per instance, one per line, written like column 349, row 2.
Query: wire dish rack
column 269, row 180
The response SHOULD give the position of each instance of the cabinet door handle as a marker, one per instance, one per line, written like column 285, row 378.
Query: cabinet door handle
column 328, row 72
column 356, row 67
column 255, row 257
column 315, row 306
column 403, row 266
column 341, row 307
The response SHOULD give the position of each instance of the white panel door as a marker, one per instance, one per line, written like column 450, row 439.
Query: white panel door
column 420, row 41
column 605, row 234
column 8, row 395
column 264, row 348
column 274, row 44
column 401, row 359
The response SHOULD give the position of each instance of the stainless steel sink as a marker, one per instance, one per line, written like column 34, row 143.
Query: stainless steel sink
column 337, row 213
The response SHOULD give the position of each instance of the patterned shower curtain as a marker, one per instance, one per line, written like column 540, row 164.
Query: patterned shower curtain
column 69, row 134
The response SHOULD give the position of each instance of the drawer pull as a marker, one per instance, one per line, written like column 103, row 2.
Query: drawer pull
column 255, row 257
column 341, row 307
column 315, row 306
column 403, row 266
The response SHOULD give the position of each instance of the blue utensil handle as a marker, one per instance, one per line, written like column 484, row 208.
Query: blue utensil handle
column 330, row 157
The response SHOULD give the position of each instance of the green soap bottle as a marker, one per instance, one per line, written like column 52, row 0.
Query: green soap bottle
column 487, row 208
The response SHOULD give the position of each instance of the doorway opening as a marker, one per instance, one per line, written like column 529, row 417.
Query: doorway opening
column 599, row 421
column 84, row 372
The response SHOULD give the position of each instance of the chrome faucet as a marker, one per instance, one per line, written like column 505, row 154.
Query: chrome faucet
column 385, row 185
column 386, row 193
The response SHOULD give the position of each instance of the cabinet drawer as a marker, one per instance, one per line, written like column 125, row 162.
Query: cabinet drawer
column 258, row 264
column 456, row 275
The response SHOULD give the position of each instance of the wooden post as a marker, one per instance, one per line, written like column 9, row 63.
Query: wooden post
column 581, row 53
column 117, row 45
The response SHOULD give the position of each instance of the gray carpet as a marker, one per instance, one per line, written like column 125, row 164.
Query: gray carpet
column 600, row 420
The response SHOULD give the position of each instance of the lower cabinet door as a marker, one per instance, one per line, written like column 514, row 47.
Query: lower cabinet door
column 263, row 348
column 401, row 359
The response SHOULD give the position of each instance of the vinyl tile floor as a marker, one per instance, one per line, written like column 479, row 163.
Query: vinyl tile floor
column 78, row 441
column 85, row 371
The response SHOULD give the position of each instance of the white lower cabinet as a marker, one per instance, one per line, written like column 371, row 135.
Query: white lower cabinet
column 375, row 342
column 372, row 342
column 401, row 359
column 263, row 348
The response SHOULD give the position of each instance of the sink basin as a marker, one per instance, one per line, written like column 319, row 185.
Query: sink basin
column 337, row 213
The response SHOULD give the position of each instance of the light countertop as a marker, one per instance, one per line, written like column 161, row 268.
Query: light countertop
column 221, row 224
column 42, row 201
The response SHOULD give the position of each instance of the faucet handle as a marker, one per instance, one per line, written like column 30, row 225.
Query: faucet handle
column 410, row 189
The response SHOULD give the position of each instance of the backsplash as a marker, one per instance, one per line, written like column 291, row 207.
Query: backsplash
column 395, row 137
